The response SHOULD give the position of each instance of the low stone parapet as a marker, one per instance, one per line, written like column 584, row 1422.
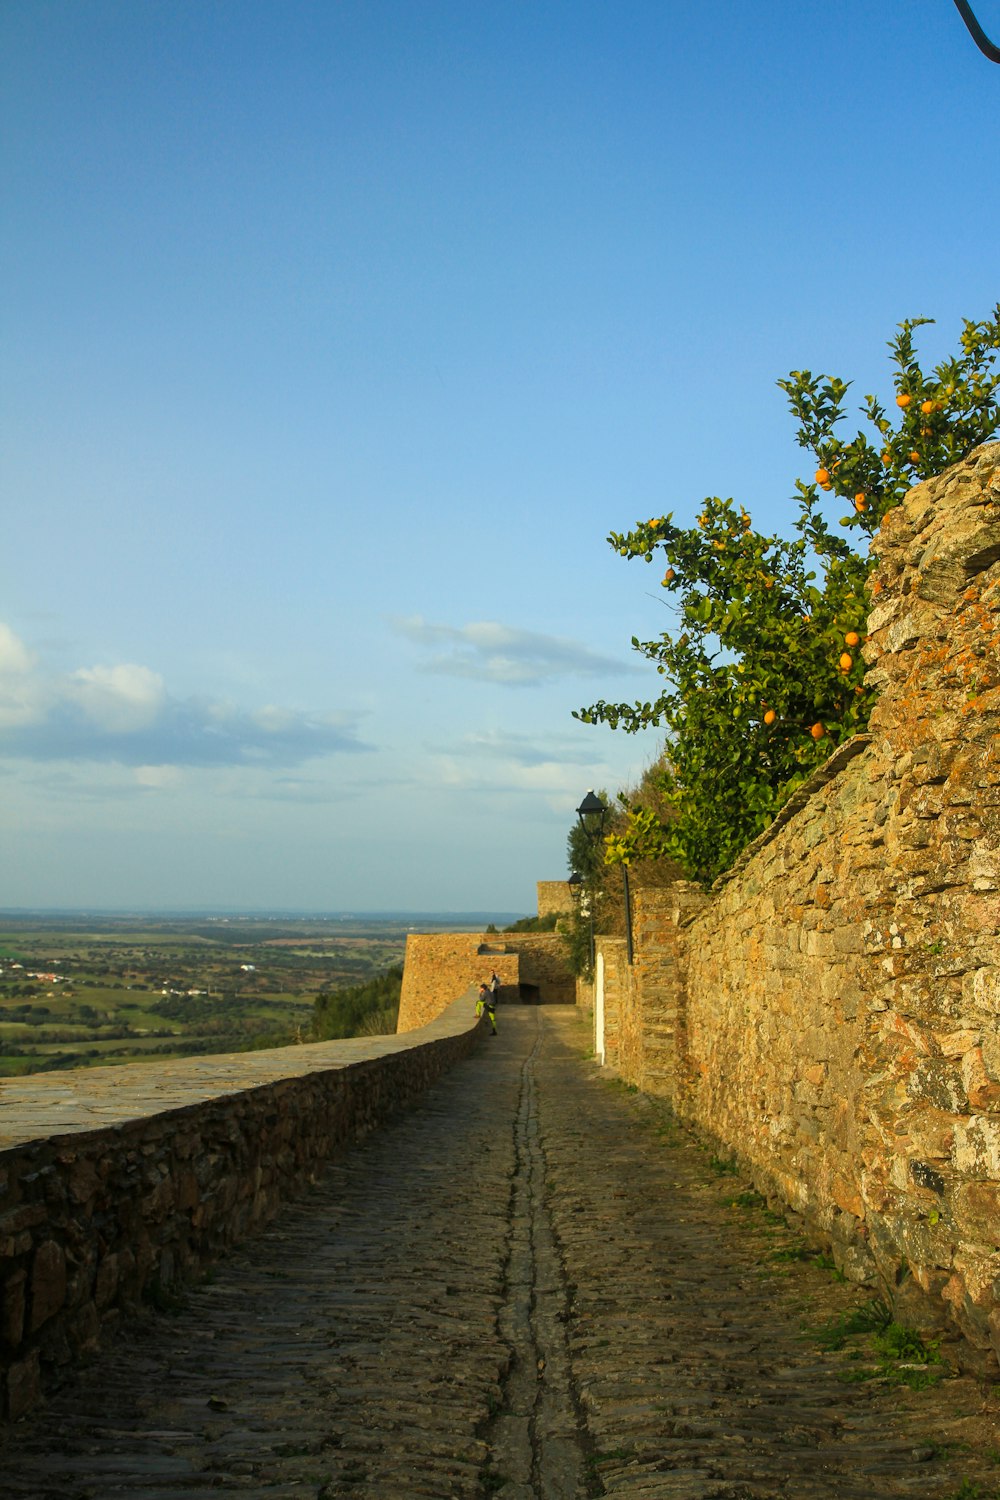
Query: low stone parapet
column 118, row 1184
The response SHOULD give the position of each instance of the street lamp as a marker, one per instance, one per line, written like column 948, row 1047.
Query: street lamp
column 591, row 813
column 580, row 894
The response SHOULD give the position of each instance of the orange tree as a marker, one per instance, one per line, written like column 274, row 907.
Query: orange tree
column 764, row 677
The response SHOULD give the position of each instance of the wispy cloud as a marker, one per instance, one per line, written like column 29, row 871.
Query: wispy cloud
column 487, row 651
column 527, row 750
column 123, row 714
column 555, row 769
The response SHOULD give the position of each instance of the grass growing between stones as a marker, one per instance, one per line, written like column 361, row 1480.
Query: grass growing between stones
column 749, row 1198
column 724, row 1166
column 885, row 1351
column 825, row 1262
column 870, row 1317
column 880, row 1349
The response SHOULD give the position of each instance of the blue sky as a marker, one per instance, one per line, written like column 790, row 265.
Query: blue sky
column 335, row 339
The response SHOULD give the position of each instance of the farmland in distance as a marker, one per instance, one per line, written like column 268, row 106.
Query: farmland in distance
column 75, row 992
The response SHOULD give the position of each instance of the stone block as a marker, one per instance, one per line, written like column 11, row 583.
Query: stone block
column 84, row 1182
column 24, row 1386
column 48, row 1283
column 917, row 1301
column 25, row 1216
column 13, row 1302
column 847, row 1196
column 977, row 1147
column 106, row 1282
column 981, row 989
column 957, row 1043
column 84, row 1330
column 982, row 1090
column 187, row 1191
column 930, row 1134
column 976, row 1208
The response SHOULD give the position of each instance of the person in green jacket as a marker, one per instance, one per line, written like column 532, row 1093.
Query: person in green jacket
column 486, row 1002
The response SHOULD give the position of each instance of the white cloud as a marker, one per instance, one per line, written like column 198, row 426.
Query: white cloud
column 500, row 654
column 158, row 778
column 118, row 699
column 20, row 698
column 555, row 770
column 124, row 715
column 15, row 658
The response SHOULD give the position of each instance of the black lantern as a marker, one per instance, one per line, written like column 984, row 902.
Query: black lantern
column 591, row 814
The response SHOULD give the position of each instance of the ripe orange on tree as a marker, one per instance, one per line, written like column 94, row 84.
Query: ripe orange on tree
column 752, row 598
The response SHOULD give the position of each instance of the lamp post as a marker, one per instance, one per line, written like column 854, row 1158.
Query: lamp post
column 591, row 813
column 578, row 888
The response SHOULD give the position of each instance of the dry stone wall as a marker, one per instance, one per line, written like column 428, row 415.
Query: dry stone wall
column 439, row 966
column 92, row 1221
column 832, row 1012
column 555, row 896
column 544, row 966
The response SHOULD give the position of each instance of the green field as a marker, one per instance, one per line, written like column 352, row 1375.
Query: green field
column 134, row 989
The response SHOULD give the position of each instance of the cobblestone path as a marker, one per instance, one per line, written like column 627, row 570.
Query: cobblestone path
column 532, row 1285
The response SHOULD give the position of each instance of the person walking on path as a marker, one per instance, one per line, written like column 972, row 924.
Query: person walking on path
column 486, row 1002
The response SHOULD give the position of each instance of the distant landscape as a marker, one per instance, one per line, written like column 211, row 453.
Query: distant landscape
column 78, row 990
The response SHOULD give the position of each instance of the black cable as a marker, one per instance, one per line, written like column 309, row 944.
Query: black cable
column 982, row 41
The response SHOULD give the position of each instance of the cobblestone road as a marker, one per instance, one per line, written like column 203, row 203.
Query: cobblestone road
column 533, row 1285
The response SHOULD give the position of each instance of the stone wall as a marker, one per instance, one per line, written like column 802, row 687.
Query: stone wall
column 832, row 1013
column 439, row 966
column 192, row 1157
column 618, row 1001
column 544, row 965
column 555, row 896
